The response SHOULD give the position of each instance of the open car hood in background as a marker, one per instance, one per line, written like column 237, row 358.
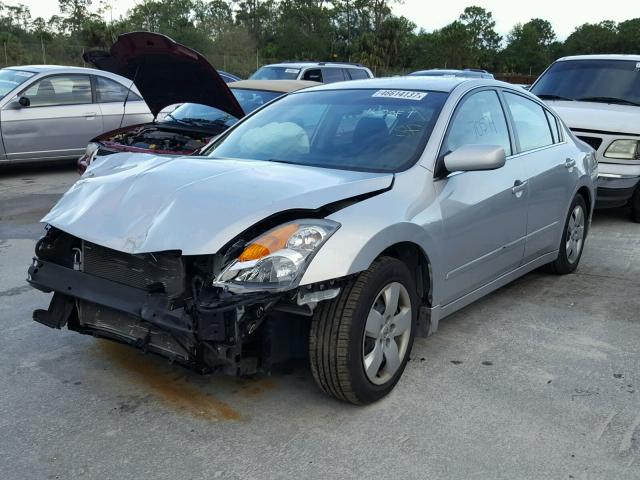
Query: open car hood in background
column 165, row 72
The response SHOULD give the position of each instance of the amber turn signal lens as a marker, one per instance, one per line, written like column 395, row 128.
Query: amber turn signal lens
column 268, row 243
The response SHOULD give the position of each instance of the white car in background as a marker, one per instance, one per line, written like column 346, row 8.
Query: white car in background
column 49, row 112
column 598, row 97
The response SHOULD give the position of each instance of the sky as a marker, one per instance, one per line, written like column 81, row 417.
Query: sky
column 564, row 15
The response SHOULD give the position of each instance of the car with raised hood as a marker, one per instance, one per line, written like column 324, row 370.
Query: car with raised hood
column 353, row 216
column 189, row 127
column 49, row 113
column 167, row 73
column 598, row 97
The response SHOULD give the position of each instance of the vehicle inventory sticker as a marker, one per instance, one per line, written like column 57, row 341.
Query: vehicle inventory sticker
column 405, row 94
column 292, row 70
column 25, row 74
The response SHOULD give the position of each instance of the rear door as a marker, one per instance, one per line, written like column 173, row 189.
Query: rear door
column 484, row 213
column 60, row 120
column 549, row 161
column 111, row 97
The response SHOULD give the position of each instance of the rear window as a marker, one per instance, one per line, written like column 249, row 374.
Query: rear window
column 275, row 73
column 367, row 130
column 605, row 81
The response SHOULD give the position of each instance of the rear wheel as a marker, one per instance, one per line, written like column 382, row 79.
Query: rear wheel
column 360, row 342
column 573, row 238
column 635, row 206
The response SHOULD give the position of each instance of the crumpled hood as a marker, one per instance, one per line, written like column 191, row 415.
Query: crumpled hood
column 139, row 203
column 598, row 116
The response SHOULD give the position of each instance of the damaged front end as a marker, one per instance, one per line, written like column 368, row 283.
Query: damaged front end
column 229, row 311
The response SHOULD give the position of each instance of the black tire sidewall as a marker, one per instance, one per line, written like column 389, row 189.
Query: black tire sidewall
column 635, row 205
column 563, row 263
column 387, row 272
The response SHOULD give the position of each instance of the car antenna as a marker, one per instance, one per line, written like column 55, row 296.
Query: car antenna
column 126, row 98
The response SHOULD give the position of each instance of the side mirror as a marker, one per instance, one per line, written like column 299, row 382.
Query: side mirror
column 24, row 101
column 475, row 157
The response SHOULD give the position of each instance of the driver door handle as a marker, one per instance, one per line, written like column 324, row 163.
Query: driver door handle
column 569, row 163
column 518, row 187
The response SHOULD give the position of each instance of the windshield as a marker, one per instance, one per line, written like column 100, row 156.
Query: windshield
column 609, row 81
column 367, row 130
column 200, row 115
column 194, row 113
column 10, row 79
column 275, row 73
column 251, row 99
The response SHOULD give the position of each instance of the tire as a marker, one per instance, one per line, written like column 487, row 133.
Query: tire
column 339, row 345
column 635, row 206
column 568, row 259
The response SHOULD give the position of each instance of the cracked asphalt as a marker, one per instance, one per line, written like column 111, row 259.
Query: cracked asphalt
column 539, row 380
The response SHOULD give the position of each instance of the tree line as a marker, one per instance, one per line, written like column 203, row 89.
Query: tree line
column 240, row 35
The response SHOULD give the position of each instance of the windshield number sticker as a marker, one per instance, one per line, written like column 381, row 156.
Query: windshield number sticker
column 403, row 94
column 638, row 67
column 25, row 74
column 292, row 70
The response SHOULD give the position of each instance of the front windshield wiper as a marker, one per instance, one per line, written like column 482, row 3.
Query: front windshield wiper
column 550, row 96
column 612, row 100
column 179, row 120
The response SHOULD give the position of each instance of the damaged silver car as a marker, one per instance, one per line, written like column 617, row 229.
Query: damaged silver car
column 337, row 223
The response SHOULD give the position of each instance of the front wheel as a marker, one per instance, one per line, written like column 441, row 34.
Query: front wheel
column 360, row 342
column 573, row 238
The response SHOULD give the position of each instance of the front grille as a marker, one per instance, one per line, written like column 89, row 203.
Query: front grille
column 594, row 142
column 150, row 271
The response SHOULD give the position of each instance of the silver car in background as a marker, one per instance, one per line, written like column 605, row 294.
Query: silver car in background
column 50, row 113
column 358, row 214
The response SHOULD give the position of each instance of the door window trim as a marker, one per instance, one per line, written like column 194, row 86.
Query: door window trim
column 93, row 95
column 439, row 170
column 94, row 83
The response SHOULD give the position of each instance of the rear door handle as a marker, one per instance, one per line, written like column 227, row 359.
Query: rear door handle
column 90, row 114
column 519, row 187
column 569, row 163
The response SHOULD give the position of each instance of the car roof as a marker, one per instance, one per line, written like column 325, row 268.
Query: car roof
column 634, row 58
column 315, row 64
column 49, row 68
column 283, row 86
column 437, row 84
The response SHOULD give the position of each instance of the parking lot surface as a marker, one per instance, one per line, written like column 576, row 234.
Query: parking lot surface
column 539, row 380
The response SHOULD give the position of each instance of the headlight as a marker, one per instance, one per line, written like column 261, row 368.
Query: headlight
column 624, row 149
column 278, row 259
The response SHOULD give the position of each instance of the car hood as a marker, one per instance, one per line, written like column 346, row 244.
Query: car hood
column 165, row 72
column 598, row 116
column 140, row 203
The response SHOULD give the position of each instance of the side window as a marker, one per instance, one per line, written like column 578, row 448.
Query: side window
column 357, row 74
column 553, row 123
column 108, row 91
column 330, row 75
column 313, row 74
column 479, row 121
column 60, row 90
column 530, row 122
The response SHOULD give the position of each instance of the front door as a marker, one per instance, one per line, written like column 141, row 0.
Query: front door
column 484, row 213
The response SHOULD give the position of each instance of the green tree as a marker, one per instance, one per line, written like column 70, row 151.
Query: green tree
column 592, row 38
column 629, row 36
column 529, row 47
column 485, row 41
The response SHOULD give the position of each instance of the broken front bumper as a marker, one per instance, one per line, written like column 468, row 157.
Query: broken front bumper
column 206, row 336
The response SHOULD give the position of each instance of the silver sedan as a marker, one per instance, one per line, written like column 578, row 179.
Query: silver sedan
column 50, row 112
column 370, row 210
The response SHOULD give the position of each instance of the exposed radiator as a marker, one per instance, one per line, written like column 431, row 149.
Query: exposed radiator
column 149, row 271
